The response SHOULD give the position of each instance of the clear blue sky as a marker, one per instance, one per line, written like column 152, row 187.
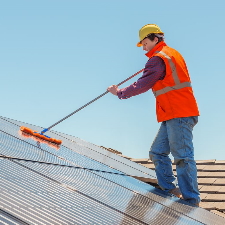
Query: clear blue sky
column 56, row 55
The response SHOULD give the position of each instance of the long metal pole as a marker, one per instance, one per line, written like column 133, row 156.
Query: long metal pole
column 47, row 129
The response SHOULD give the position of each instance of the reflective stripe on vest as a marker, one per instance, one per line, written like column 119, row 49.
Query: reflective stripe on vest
column 178, row 84
column 175, row 87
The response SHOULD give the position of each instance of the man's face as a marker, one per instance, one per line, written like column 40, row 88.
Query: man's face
column 148, row 45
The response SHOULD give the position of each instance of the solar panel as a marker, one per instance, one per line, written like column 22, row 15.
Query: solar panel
column 79, row 192
column 96, row 153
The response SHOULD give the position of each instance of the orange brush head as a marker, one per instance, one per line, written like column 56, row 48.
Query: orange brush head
column 27, row 132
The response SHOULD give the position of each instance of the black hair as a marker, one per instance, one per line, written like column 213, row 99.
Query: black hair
column 152, row 37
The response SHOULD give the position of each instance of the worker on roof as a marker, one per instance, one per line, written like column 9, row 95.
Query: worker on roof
column 167, row 75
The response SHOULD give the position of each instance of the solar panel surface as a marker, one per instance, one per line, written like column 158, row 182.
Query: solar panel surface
column 39, row 193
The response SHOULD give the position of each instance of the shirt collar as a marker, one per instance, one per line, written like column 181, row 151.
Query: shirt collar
column 157, row 47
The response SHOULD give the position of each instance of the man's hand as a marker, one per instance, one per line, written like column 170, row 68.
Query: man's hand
column 113, row 89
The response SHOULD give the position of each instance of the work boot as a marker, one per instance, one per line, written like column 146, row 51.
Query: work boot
column 176, row 192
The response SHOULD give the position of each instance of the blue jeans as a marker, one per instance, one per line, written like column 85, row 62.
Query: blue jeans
column 175, row 137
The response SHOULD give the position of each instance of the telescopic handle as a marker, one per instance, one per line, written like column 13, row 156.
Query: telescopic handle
column 47, row 129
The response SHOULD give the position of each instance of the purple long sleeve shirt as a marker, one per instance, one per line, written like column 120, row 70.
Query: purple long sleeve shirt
column 155, row 69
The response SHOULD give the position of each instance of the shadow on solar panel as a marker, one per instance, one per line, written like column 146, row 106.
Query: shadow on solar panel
column 80, row 183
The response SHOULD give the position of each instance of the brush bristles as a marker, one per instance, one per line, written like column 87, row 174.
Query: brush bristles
column 40, row 136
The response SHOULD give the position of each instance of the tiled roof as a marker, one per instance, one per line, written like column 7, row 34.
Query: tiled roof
column 112, row 150
column 211, row 181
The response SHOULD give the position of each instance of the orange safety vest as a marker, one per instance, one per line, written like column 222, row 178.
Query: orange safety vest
column 174, row 94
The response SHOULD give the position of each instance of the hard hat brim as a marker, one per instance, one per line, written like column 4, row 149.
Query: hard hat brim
column 139, row 44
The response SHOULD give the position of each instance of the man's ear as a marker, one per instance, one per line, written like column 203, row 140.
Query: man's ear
column 156, row 40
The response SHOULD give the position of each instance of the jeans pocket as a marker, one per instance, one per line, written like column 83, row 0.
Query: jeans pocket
column 190, row 121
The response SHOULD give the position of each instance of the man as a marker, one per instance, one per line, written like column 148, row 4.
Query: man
column 176, row 108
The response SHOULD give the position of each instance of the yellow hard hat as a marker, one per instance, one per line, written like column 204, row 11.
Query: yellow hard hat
column 146, row 30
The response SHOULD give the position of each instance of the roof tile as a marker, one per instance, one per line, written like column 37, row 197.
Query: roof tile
column 207, row 181
column 220, row 181
column 220, row 205
column 215, row 197
column 217, row 174
column 220, row 162
column 220, row 168
column 201, row 167
column 203, row 195
column 222, row 189
column 207, row 205
column 210, row 161
column 210, row 189
column 142, row 161
column 150, row 166
column 203, row 174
